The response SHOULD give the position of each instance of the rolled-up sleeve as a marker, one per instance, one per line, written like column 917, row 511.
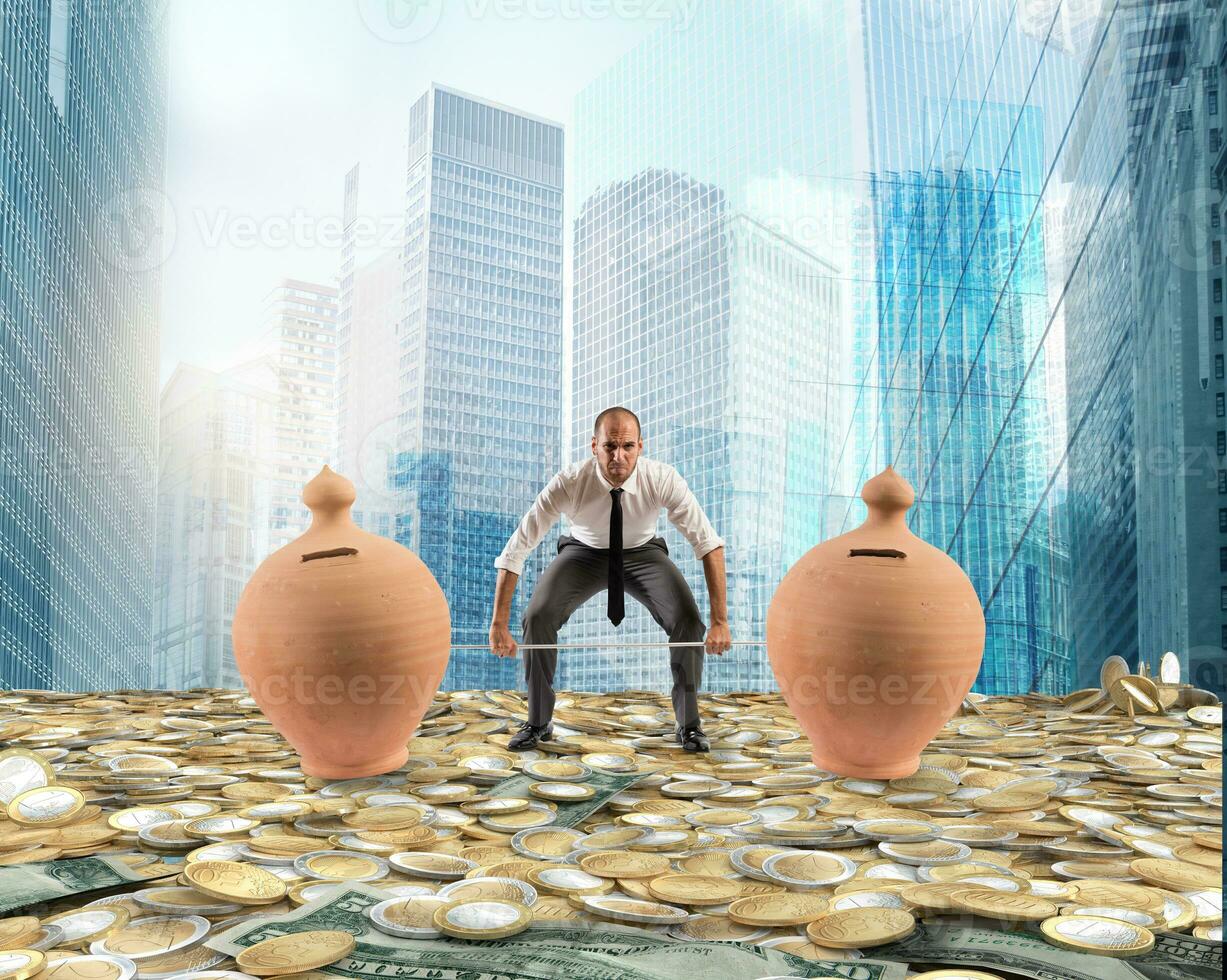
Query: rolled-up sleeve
column 687, row 516
column 546, row 509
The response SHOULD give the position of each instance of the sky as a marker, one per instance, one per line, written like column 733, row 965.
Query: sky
column 271, row 102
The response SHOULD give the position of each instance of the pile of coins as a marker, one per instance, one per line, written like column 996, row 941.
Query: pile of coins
column 1094, row 829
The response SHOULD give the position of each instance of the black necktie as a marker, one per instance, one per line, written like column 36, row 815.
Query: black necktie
column 617, row 602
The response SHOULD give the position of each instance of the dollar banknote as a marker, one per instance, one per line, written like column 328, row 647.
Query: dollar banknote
column 28, row 884
column 1180, row 957
column 1018, row 952
column 606, row 784
column 571, row 950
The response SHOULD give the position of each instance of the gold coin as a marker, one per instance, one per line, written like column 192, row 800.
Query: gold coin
column 384, row 818
column 18, row 964
column 85, row 925
column 1010, row 800
column 955, row 973
column 1097, row 934
column 409, row 837
column 784, row 909
column 1117, row 894
column 690, row 889
column 1005, row 906
column 1177, row 876
column 246, row 884
column 15, row 933
column 860, row 928
column 68, row 967
column 46, row 806
column 482, row 919
column 283, row 844
column 622, row 864
column 295, row 953
column 1134, row 693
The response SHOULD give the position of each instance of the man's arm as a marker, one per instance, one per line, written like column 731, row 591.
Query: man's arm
column 718, row 637
column 545, row 510
column 687, row 516
column 502, row 643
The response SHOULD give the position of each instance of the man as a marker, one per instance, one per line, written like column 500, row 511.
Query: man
column 613, row 501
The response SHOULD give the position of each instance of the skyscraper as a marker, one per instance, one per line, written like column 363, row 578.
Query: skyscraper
column 298, row 342
column 368, row 317
column 710, row 312
column 83, row 90
column 217, row 462
column 479, row 350
column 919, row 159
column 1178, row 166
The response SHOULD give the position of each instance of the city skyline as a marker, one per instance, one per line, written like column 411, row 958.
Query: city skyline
column 802, row 244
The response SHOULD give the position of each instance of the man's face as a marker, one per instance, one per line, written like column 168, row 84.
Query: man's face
column 616, row 447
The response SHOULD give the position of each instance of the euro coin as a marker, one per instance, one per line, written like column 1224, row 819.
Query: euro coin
column 1094, row 934
column 482, row 919
column 295, row 953
column 152, row 936
column 787, row 909
column 235, row 882
column 19, row 964
column 860, row 928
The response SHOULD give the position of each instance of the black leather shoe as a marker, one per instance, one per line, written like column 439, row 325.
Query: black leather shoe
column 692, row 739
column 530, row 735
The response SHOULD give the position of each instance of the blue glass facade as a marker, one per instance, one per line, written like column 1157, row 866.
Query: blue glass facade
column 82, row 93
column 958, row 181
column 480, row 350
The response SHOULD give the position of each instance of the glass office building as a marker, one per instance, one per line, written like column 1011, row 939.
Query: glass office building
column 480, row 350
column 956, row 178
column 82, row 95
column 1178, row 167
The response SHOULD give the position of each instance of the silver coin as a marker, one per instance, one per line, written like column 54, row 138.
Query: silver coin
column 87, row 922
column 1104, row 912
column 20, row 770
column 51, row 934
column 424, row 904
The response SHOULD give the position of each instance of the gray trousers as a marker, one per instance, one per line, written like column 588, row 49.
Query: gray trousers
column 580, row 572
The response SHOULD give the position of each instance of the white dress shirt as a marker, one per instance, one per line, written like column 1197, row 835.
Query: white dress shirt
column 581, row 492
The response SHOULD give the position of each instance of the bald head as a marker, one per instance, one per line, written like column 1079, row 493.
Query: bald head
column 616, row 444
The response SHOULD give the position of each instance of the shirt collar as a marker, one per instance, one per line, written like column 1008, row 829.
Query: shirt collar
column 630, row 485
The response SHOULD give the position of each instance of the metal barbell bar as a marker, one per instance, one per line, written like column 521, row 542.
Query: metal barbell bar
column 605, row 645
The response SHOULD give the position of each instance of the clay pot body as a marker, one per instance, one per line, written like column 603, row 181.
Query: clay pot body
column 875, row 637
column 342, row 638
